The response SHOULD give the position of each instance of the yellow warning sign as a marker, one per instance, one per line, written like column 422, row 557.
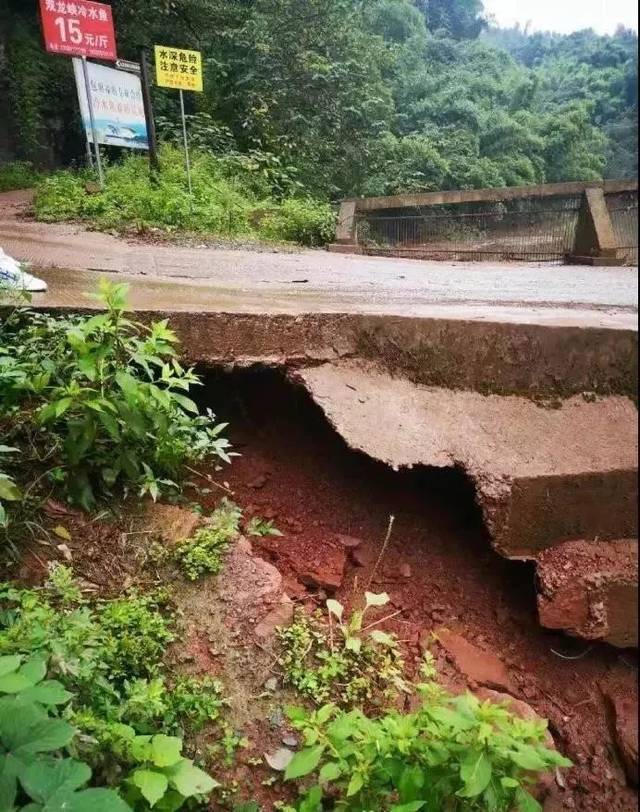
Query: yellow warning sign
column 178, row 68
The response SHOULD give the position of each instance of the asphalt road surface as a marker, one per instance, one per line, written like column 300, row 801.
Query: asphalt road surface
column 253, row 279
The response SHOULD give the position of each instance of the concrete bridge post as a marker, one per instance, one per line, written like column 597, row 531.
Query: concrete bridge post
column 346, row 229
column 595, row 240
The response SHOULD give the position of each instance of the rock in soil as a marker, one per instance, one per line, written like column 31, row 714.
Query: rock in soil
column 282, row 615
column 350, row 542
column 279, row 760
column 590, row 590
column 294, row 588
column 622, row 701
column 363, row 556
column 171, row 523
column 251, row 588
column 326, row 570
column 478, row 666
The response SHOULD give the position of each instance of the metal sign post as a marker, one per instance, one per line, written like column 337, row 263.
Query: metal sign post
column 186, row 142
column 92, row 118
column 81, row 29
column 181, row 70
column 89, row 152
column 154, row 163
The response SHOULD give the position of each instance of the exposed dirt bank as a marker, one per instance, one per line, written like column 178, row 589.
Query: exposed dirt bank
column 475, row 611
column 439, row 570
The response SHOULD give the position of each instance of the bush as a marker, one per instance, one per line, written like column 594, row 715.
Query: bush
column 104, row 400
column 18, row 175
column 230, row 193
column 455, row 753
column 99, row 657
column 307, row 222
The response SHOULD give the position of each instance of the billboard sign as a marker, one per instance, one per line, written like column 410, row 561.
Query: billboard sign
column 178, row 68
column 79, row 28
column 117, row 106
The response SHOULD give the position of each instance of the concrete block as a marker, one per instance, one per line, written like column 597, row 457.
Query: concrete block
column 542, row 476
column 590, row 590
column 595, row 236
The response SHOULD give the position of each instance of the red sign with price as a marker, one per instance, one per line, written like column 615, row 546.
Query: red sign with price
column 78, row 28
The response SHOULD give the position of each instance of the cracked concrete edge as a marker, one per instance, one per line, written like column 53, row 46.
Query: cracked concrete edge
column 534, row 517
column 535, row 361
column 536, row 482
column 531, row 360
column 547, row 511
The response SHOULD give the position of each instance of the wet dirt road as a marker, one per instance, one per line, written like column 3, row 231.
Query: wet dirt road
column 268, row 281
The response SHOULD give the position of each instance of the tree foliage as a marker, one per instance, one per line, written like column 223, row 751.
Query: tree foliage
column 367, row 96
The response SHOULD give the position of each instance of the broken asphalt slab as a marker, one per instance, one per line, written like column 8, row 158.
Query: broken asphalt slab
column 542, row 475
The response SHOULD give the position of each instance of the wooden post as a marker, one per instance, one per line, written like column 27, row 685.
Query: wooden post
column 154, row 163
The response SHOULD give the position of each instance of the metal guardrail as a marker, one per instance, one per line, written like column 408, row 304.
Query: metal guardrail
column 580, row 222
column 623, row 209
column 525, row 231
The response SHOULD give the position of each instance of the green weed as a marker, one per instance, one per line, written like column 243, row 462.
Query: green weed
column 35, row 744
column 107, row 658
column 455, row 753
column 104, row 401
column 63, row 585
column 203, row 554
column 163, row 776
column 346, row 663
column 93, row 648
column 18, row 175
column 300, row 220
column 9, row 491
column 261, row 527
column 187, row 705
column 135, row 636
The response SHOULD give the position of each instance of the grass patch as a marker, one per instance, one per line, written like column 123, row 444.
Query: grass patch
column 230, row 199
column 18, row 175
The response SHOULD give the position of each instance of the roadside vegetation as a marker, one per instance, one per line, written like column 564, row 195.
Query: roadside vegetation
column 100, row 404
column 235, row 196
column 18, row 175
column 307, row 102
column 360, row 97
column 94, row 713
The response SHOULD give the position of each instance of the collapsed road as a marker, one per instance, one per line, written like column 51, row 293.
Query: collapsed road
column 541, row 418
column 522, row 376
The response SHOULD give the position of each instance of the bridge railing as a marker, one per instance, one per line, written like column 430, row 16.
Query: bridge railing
column 573, row 222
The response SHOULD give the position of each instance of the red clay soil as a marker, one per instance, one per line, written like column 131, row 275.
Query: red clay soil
column 438, row 569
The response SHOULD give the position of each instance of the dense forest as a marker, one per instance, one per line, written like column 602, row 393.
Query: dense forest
column 347, row 97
